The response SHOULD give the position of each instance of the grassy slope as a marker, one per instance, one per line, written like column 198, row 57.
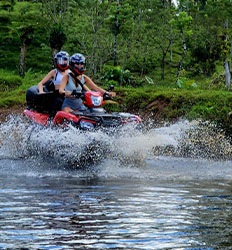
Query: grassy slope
column 172, row 103
column 15, row 95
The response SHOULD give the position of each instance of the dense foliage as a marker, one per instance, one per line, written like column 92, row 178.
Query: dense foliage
column 153, row 38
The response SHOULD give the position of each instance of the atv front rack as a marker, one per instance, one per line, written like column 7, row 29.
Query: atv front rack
column 103, row 120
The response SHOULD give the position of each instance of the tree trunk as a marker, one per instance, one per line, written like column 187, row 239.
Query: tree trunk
column 115, row 50
column 26, row 38
column 171, row 46
column 92, row 65
column 180, row 65
column 230, row 55
column 164, row 51
column 228, row 75
column 22, row 59
column 182, row 57
column 116, row 32
column 162, row 66
column 226, row 64
column 54, row 51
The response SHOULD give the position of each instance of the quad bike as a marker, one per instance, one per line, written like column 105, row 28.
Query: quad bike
column 39, row 110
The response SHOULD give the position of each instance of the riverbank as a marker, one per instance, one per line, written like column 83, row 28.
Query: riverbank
column 163, row 105
column 160, row 102
column 13, row 110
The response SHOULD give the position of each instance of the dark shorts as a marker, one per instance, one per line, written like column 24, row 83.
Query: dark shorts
column 74, row 104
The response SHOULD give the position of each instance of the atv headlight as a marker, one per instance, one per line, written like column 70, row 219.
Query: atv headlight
column 96, row 100
column 86, row 125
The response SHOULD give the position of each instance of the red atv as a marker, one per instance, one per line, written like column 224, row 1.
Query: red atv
column 39, row 111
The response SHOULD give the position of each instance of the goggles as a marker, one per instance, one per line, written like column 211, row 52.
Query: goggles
column 79, row 63
column 62, row 60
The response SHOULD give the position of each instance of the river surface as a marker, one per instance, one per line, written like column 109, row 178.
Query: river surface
column 154, row 190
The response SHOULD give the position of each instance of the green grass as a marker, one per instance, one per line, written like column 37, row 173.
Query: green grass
column 16, row 95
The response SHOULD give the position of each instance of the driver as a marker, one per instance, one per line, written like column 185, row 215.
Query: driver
column 76, row 80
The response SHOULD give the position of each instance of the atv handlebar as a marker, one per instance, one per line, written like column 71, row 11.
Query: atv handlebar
column 46, row 93
column 110, row 88
column 107, row 96
column 77, row 94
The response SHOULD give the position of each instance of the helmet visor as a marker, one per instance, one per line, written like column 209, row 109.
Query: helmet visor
column 80, row 67
column 62, row 60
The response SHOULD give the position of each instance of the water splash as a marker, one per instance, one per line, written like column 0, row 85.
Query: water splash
column 196, row 139
column 73, row 148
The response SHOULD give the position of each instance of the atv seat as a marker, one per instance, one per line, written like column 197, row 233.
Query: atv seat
column 39, row 102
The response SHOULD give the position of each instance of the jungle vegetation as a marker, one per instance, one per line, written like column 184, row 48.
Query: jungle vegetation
column 176, row 52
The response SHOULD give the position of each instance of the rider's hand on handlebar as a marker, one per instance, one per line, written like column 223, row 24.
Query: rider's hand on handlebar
column 45, row 93
column 108, row 95
column 76, row 94
column 112, row 94
column 68, row 93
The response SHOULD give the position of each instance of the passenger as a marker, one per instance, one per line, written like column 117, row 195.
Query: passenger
column 76, row 80
column 62, row 64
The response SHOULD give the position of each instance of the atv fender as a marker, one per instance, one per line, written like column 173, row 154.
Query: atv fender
column 37, row 117
column 61, row 116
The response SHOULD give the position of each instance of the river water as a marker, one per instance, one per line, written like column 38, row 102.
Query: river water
column 166, row 188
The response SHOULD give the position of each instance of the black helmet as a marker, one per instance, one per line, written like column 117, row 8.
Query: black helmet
column 62, row 60
column 78, row 59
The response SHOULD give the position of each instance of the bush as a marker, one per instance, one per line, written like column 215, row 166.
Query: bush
column 117, row 75
column 9, row 82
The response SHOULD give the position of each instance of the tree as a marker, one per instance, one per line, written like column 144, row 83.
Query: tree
column 57, row 38
column 87, row 33
column 182, row 23
column 26, row 36
column 162, row 33
column 26, row 23
column 7, row 5
column 57, row 15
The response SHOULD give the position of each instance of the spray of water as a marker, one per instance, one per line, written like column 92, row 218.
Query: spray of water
column 71, row 148
column 196, row 139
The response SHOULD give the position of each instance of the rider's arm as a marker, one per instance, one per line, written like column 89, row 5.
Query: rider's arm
column 63, row 85
column 49, row 76
column 93, row 86
column 86, row 88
